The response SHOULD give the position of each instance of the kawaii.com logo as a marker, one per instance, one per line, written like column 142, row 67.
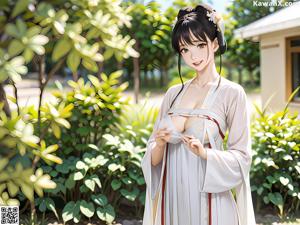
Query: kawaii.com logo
column 280, row 3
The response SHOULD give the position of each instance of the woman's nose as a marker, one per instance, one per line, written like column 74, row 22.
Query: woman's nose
column 194, row 55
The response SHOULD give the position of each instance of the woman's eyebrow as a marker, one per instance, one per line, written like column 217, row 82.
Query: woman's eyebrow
column 193, row 42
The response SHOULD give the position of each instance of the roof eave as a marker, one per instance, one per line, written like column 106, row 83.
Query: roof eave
column 247, row 32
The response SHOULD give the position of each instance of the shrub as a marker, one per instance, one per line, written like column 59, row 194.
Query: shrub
column 275, row 174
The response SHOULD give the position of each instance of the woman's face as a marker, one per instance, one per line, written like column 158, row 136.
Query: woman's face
column 199, row 55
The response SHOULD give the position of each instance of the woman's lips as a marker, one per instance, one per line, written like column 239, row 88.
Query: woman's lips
column 198, row 63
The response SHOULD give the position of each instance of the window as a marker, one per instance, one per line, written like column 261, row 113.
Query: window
column 293, row 67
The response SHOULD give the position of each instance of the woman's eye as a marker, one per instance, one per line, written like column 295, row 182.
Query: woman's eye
column 183, row 50
column 201, row 45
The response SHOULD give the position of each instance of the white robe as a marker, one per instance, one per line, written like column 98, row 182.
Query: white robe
column 189, row 177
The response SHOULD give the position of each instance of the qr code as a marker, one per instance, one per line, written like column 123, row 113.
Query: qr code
column 9, row 215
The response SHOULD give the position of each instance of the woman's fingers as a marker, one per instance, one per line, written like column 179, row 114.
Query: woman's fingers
column 162, row 133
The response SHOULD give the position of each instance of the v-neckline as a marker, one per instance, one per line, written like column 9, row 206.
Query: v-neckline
column 204, row 103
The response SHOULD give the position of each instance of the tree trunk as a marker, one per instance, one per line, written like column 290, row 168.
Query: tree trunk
column 240, row 76
column 4, row 100
column 136, row 74
column 153, row 78
column 229, row 74
column 75, row 76
column 251, row 76
column 164, row 76
column 146, row 79
column 161, row 79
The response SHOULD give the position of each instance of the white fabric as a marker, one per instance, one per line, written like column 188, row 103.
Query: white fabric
column 189, row 177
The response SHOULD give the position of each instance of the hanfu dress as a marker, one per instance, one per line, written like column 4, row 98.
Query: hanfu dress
column 184, row 189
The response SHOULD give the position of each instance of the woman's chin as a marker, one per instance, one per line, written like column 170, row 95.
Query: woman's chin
column 198, row 68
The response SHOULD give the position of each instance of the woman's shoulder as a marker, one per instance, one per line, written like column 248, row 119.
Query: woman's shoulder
column 232, row 88
column 231, row 85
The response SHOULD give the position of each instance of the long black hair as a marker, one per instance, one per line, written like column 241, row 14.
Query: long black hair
column 195, row 21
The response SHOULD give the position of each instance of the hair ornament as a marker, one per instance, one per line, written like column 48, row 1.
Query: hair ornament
column 216, row 18
column 186, row 17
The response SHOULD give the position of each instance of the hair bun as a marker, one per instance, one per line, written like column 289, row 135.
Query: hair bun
column 203, row 6
column 184, row 11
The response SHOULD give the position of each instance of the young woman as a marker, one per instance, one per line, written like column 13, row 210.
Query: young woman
column 188, row 174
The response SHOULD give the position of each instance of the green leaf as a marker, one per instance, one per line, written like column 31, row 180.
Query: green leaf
column 70, row 182
column 87, row 209
column 63, row 122
column 115, row 184
column 39, row 40
column 89, row 183
column 3, row 163
column 126, row 180
column 20, row 7
column 51, row 206
column 284, row 180
column 38, row 49
column 90, row 64
column 81, row 165
column 28, row 55
column 276, row 198
column 106, row 214
column 67, row 213
column 266, row 200
column 27, row 191
column 100, row 199
column 113, row 167
column 12, row 30
column 96, row 179
column 141, row 181
column 78, row 175
column 60, row 49
column 83, row 131
column 12, row 188
column 73, row 60
column 56, row 130
column 260, row 190
column 42, row 206
column 131, row 196
column 142, row 197
column 15, row 47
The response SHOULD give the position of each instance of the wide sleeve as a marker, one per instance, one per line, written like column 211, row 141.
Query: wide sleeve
column 227, row 169
column 152, row 174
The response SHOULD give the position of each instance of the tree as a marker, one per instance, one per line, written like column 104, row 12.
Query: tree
column 244, row 54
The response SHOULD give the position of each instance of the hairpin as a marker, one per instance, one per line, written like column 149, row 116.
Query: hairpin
column 216, row 18
column 186, row 16
column 213, row 16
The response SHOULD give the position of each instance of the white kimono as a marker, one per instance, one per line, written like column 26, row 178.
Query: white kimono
column 178, row 187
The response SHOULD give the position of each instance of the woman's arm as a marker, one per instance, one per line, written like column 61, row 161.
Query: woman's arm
column 227, row 169
column 154, row 154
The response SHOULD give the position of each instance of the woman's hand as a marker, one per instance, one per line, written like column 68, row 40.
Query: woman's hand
column 195, row 145
column 162, row 136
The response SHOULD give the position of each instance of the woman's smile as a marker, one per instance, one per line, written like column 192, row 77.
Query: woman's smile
column 197, row 63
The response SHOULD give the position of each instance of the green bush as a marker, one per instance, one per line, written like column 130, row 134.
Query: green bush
column 85, row 179
column 22, row 145
column 275, row 174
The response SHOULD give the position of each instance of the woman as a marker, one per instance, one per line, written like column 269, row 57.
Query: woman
column 188, row 174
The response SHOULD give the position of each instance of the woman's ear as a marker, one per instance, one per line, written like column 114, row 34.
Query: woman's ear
column 215, row 45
